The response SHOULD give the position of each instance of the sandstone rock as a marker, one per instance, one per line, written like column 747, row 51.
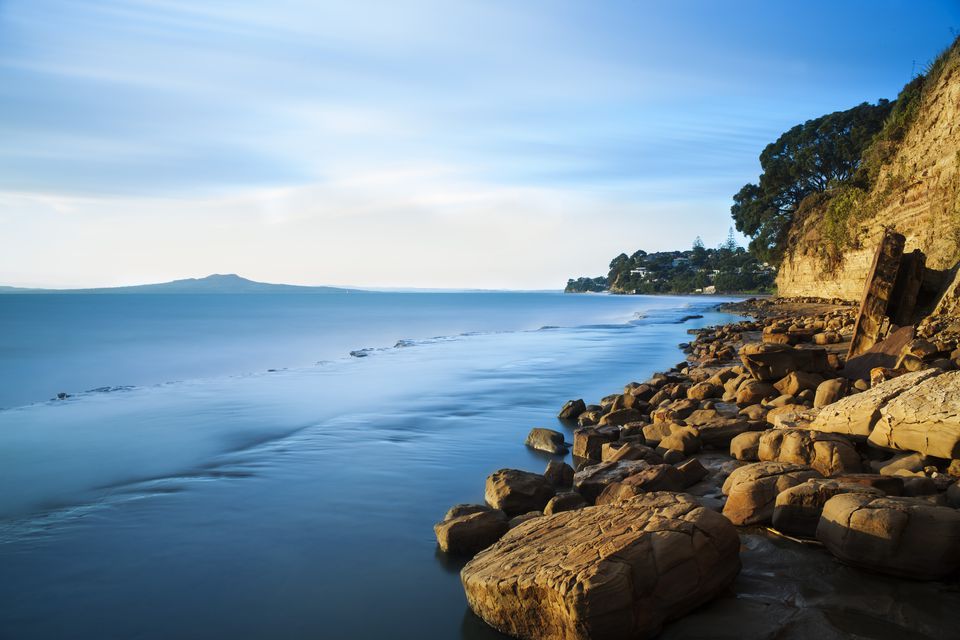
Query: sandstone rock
column 592, row 480
column 912, row 462
column 889, row 485
column 830, row 391
column 704, row 390
column 797, row 509
column 621, row 416
column 660, row 477
column 791, row 416
column 796, row 381
column 953, row 495
column 588, row 442
column 746, row 446
column 754, row 391
column 827, row 337
column 752, row 489
column 515, row 492
column 463, row 509
column 467, row 534
column 925, row 418
column 770, row 362
column 567, row 501
column 546, row 440
column 654, row 433
column 692, row 471
column 829, row 454
column 589, row 418
column 516, row 521
column 613, row 571
column 856, row 415
column 900, row 536
column 614, row 451
column 572, row 410
column 685, row 440
column 754, row 412
column 559, row 474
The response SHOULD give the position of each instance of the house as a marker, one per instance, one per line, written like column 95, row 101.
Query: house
column 710, row 290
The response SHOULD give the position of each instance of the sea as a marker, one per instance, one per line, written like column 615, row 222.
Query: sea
column 271, row 466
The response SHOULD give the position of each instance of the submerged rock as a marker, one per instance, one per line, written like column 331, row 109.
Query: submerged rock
column 614, row 571
column 546, row 440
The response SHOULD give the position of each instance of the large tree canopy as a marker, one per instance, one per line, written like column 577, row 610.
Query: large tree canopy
column 809, row 158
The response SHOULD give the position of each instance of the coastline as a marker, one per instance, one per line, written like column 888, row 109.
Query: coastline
column 732, row 430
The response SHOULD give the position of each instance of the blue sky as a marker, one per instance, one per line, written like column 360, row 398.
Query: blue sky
column 435, row 144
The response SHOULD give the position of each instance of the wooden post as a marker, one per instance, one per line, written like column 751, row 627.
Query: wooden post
column 877, row 293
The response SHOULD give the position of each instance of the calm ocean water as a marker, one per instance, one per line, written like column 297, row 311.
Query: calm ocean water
column 184, row 490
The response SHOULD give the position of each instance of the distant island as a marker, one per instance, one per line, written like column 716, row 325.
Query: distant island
column 212, row 284
column 727, row 269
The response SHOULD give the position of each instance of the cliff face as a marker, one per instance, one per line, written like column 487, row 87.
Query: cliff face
column 915, row 193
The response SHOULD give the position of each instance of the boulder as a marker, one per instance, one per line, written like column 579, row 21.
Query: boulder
column 790, row 416
column 515, row 492
column 704, row 390
column 754, row 391
column 612, row 571
column 572, row 410
column 796, row 381
column 546, row 440
column 828, row 453
column 856, row 415
column 797, row 509
column 830, row 391
column 686, row 440
column 752, row 489
column 692, row 471
column 620, row 416
column 588, row 442
column 746, row 446
column 911, row 462
column 516, row 521
column 469, row 533
column 659, row 477
column 718, row 433
column 462, row 509
column 566, row 501
column 654, row 433
column 900, row 536
column 559, row 474
column 889, row 485
column 770, row 362
column 592, row 480
column 925, row 418
column 613, row 451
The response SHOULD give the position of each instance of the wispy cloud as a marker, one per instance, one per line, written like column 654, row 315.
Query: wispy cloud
column 545, row 135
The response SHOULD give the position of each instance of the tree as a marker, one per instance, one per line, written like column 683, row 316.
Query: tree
column 809, row 158
column 698, row 257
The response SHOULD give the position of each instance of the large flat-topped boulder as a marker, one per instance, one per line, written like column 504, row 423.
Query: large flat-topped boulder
column 924, row 418
column 856, row 415
column 828, row 453
column 770, row 362
column 901, row 536
column 752, row 489
column 605, row 572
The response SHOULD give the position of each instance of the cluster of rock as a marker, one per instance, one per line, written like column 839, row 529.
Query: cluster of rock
column 762, row 425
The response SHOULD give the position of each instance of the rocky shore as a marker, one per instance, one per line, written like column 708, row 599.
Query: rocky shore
column 773, row 449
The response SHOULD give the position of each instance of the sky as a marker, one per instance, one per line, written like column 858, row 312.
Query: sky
column 468, row 144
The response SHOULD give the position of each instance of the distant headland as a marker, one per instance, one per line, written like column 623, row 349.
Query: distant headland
column 212, row 284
